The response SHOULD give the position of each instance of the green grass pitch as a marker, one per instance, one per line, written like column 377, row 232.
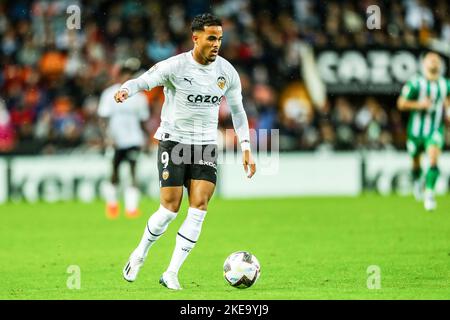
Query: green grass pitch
column 309, row 248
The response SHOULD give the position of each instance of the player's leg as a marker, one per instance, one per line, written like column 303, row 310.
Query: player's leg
column 415, row 149
column 200, row 192
column 200, row 187
column 132, row 192
column 433, row 145
column 170, row 201
column 171, row 194
column 431, row 177
column 111, row 188
column 416, row 173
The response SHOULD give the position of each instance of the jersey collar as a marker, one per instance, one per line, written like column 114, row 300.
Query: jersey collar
column 203, row 66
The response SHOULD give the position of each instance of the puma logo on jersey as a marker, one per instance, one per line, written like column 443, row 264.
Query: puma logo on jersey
column 188, row 80
column 204, row 98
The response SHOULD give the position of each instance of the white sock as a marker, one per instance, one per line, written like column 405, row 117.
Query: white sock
column 156, row 225
column 110, row 193
column 131, row 199
column 186, row 238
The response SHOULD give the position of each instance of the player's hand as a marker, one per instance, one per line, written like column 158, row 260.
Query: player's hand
column 425, row 104
column 121, row 96
column 249, row 163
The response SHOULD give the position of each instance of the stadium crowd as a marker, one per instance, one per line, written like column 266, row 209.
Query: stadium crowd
column 51, row 76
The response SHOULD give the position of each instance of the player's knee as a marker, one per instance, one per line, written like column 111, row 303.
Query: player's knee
column 200, row 203
column 200, row 206
column 171, row 203
column 170, row 198
column 173, row 206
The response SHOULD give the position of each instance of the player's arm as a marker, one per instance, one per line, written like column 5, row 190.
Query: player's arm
column 154, row 77
column 104, row 112
column 447, row 110
column 405, row 104
column 143, row 126
column 447, row 101
column 240, row 124
column 409, row 98
column 144, row 115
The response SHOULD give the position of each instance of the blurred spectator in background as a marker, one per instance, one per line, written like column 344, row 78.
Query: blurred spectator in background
column 161, row 48
column 343, row 120
column 66, row 122
column 297, row 116
column 7, row 134
column 372, row 124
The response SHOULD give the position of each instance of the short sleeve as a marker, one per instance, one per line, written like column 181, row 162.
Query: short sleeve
column 410, row 90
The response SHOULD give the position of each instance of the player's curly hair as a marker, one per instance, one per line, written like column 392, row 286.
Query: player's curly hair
column 204, row 20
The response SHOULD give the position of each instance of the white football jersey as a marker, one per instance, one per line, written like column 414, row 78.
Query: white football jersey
column 193, row 93
column 124, row 118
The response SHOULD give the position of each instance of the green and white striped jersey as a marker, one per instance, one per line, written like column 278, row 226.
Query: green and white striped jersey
column 422, row 124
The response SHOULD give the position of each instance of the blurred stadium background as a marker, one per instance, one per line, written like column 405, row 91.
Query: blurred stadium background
column 310, row 69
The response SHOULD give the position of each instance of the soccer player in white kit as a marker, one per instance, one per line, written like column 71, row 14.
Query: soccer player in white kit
column 195, row 83
column 124, row 126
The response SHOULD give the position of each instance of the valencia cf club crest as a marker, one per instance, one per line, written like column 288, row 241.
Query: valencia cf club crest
column 165, row 174
column 221, row 82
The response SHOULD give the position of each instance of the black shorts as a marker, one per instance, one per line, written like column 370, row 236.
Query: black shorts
column 178, row 163
column 129, row 154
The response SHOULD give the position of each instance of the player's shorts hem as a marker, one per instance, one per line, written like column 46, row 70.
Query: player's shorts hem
column 417, row 145
column 129, row 154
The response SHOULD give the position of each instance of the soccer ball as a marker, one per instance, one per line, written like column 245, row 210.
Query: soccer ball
column 241, row 269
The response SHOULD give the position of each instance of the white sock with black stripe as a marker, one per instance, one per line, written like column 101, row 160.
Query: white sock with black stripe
column 186, row 238
column 156, row 225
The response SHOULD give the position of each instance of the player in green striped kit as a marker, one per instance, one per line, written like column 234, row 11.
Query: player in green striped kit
column 426, row 96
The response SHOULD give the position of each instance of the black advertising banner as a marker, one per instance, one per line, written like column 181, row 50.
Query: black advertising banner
column 370, row 71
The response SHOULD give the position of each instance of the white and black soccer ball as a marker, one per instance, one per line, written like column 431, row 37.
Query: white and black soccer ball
column 241, row 269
